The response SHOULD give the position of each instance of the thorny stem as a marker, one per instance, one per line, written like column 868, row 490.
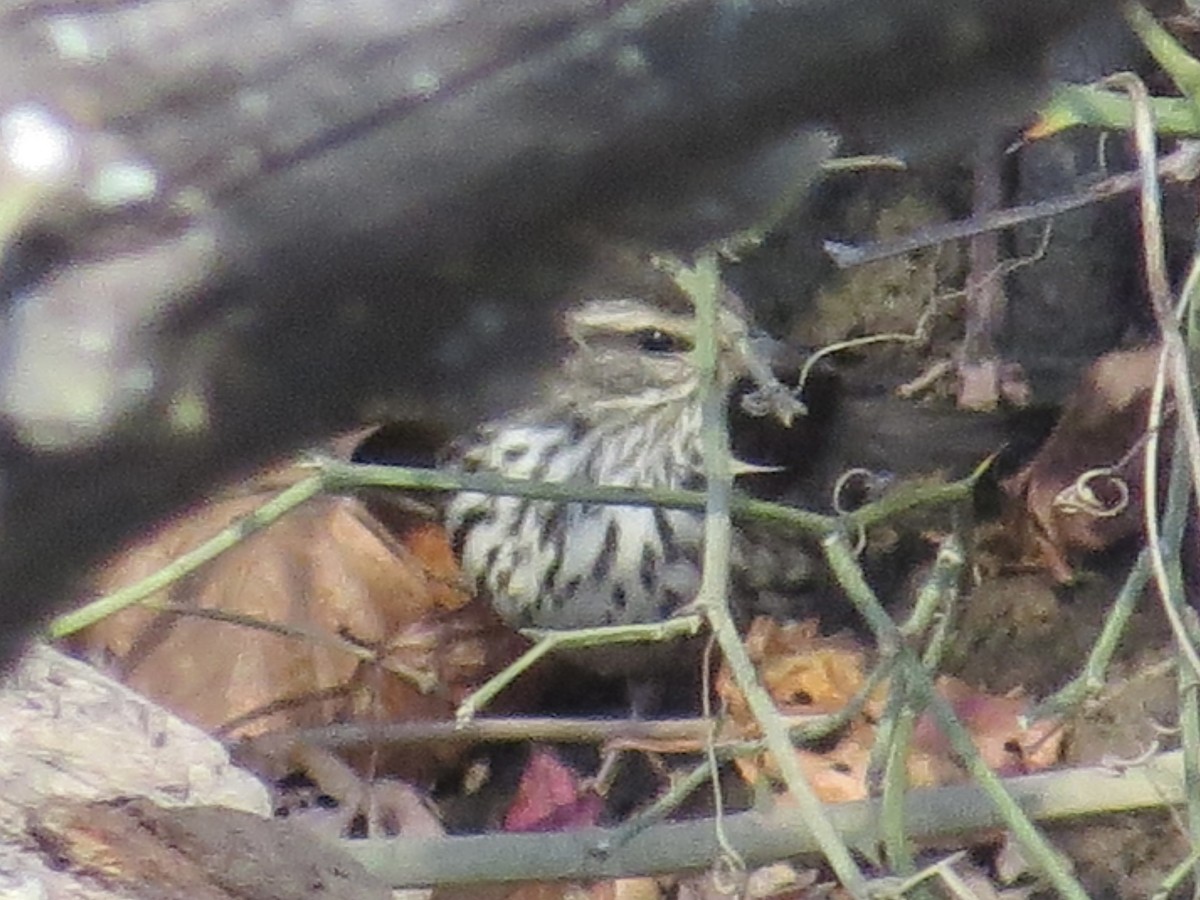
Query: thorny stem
column 941, row 584
column 1174, row 348
column 333, row 476
column 932, row 815
column 265, row 515
column 1167, row 52
column 890, row 757
column 1177, row 876
column 554, row 641
column 894, row 736
column 342, row 476
column 1182, row 165
column 920, row 682
column 1087, row 105
column 1092, row 678
column 702, row 284
column 1166, row 577
column 1175, row 361
column 1175, row 519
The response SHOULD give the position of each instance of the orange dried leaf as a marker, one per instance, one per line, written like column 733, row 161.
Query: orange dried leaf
column 804, row 672
column 996, row 724
column 839, row 774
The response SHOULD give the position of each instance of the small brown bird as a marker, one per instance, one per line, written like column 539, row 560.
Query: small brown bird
column 622, row 409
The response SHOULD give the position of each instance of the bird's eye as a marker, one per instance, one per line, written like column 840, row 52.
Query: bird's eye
column 655, row 340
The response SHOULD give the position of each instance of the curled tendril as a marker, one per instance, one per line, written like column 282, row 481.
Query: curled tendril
column 872, row 483
column 1121, row 765
column 860, row 541
column 1080, row 497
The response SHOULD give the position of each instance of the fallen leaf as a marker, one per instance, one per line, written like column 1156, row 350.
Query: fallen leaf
column 998, row 729
column 803, row 671
column 1082, row 492
column 551, row 797
column 361, row 623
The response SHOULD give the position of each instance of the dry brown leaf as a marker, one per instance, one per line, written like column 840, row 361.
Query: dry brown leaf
column 996, row 723
column 780, row 881
column 542, row 890
column 486, row 892
column 795, row 663
column 803, row 671
column 333, row 575
column 1101, row 427
column 630, row 889
column 839, row 774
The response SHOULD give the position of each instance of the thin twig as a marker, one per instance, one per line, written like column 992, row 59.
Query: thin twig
column 1183, row 165
column 942, row 869
column 858, row 163
column 425, row 682
column 680, row 789
column 333, row 476
column 823, row 726
column 284, row 704
column 1174, row 351
column 551, row 729
column 734, row 864
column 557, row 641
column 1091, row 679
column 896, row 337
column 986, row 304
column 1184, row 870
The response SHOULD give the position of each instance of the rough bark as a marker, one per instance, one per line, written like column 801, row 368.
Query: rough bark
column 73, row 737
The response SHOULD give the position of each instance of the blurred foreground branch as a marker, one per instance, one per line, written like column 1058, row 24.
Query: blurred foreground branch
column 234, row 226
